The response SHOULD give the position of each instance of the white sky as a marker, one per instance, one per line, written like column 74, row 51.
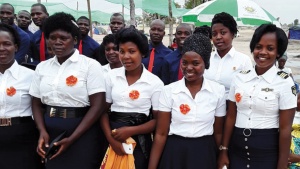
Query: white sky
column 287, row 10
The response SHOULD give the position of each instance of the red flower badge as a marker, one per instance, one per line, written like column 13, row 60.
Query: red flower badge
column 71, row 80
column 184, row 108
column 238, row 97
column 10, row 91
column 134, row 94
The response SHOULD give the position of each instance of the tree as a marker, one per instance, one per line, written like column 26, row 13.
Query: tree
column 170, row 23
column 190, row 4
column 296, row 22
column 132, row 12
column 90, row 17
column 177, row 5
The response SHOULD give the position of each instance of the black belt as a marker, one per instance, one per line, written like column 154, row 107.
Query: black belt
column 66, row 112
column 15, row 120
column 132, row 119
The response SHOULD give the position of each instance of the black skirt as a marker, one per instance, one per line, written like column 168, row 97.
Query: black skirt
column 84, row 153
column 18, row 145
column 189, row 153
column 258, row 149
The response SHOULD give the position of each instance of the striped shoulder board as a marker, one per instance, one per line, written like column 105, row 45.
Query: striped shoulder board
column 245, row 71
column 283, row 74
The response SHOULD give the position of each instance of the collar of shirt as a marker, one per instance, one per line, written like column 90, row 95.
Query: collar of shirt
column 73, row 58
column 14, row 70
column 231, row 53
column 159, row 47
column 269, row 75
column 182, row 87
column 143, row 78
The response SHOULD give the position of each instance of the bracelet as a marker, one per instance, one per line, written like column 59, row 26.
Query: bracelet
column 222, row 148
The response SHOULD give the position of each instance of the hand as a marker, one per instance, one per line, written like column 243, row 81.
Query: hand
column 117, row 147
column 121, row 134
column 223, row 159
column 64, row 144
column 43, row 143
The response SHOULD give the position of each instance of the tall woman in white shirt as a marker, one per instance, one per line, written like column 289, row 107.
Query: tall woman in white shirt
column 131, row 91
column 261, row 108
column 191, row 114
column 73, row 90
column 226, row 61
column 18, row 134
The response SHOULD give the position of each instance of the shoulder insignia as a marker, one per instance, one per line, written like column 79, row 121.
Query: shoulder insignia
column 245, row 71
column 294, row 90
column 283, row 74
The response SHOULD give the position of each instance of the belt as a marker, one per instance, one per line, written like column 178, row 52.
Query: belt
column 15, row 120
column 132, row 119
column 66, row 112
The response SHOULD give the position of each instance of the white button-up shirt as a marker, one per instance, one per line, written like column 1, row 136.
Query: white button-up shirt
column 208, row 103
column 117, row 92
column 223, row 70
column 106, row 69
column 49, row 83
column 261, row 98
column 19, row 104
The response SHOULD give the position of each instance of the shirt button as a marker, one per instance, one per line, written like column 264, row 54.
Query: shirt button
column 248, row 166
column 248, row 153
column 249, row 159
column 246, row 139
column 246, row 147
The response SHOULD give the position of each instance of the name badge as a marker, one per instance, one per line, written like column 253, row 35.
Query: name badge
column 267, row 89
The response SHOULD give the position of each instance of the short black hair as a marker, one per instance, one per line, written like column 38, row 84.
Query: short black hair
column 206, row 30
column 131, row 34
column 110, row 38
column 227, row 20
column 42, row 6
column 116, row 15
column 25, row 12
column 282, row 40
column 62, row 21
column 13, row 32
column 9, row 5
column 83, row 17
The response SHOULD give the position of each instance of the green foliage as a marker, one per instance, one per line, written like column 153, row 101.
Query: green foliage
column 190, row 4
column 177, row 5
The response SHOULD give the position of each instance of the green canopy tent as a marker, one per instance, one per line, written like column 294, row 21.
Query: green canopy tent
column 52, row 8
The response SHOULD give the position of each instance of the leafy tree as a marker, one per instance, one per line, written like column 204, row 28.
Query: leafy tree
column 177, row 5
column 296, row 22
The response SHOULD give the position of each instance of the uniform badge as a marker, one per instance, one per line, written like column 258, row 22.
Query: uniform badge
column 283, row 74
column 234, row 68
column 294, row 90
column 267, row 89
column 245, row 71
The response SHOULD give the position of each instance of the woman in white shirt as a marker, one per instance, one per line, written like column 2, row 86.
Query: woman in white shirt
column 131, row 91
column 18, row 133
column 191, row 114
column 261, row 108
column 226, row 61
column 73, row 92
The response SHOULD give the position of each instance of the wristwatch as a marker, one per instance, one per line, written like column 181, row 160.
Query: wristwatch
column 222, row 148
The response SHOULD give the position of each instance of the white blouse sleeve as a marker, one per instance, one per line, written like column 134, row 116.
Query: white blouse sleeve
column 95, row 79
column 231, row 93
column 35, row 84
column 165, row 98
column 108, row 86
column 221, row 106
column 287, row 98
column 155, row 95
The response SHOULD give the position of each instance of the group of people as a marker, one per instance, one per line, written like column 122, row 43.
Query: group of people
column 189, row 108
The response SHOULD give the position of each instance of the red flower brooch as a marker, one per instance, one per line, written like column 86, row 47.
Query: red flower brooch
column 11, row 91
column 71, row 80
column 184, row 108
column 134, row 94
column 238, row 97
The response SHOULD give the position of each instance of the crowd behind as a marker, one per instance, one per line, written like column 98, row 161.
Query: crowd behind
column 64, row 98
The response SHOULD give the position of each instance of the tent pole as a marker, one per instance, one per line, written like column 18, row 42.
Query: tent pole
column 90, row 17
column 170, row 23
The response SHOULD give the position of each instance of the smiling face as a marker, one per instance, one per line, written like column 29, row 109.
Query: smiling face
column 265, row 52
column 7, row 15
column 130, row 56
column 84, row 26
column 222, row 38
column 62, row 43
column 23, row 19
column 7, row 48
column 38, row 15
column 182, row 32
column 111, row 53
column 192, row 66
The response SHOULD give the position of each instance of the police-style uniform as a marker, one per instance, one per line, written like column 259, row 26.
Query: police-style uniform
column 295, row 143
column 52, row 85
column 18, row 133
column 131, row 105
column 223, row 70
column 190, row 143
column 255, row 139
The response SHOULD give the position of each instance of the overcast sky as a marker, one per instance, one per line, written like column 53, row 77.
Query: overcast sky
column 287, row 10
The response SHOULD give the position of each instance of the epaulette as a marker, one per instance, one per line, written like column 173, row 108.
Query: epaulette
column 283, row 74
column 245, row 71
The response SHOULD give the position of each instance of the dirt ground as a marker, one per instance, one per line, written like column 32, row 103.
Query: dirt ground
column 241, row 44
